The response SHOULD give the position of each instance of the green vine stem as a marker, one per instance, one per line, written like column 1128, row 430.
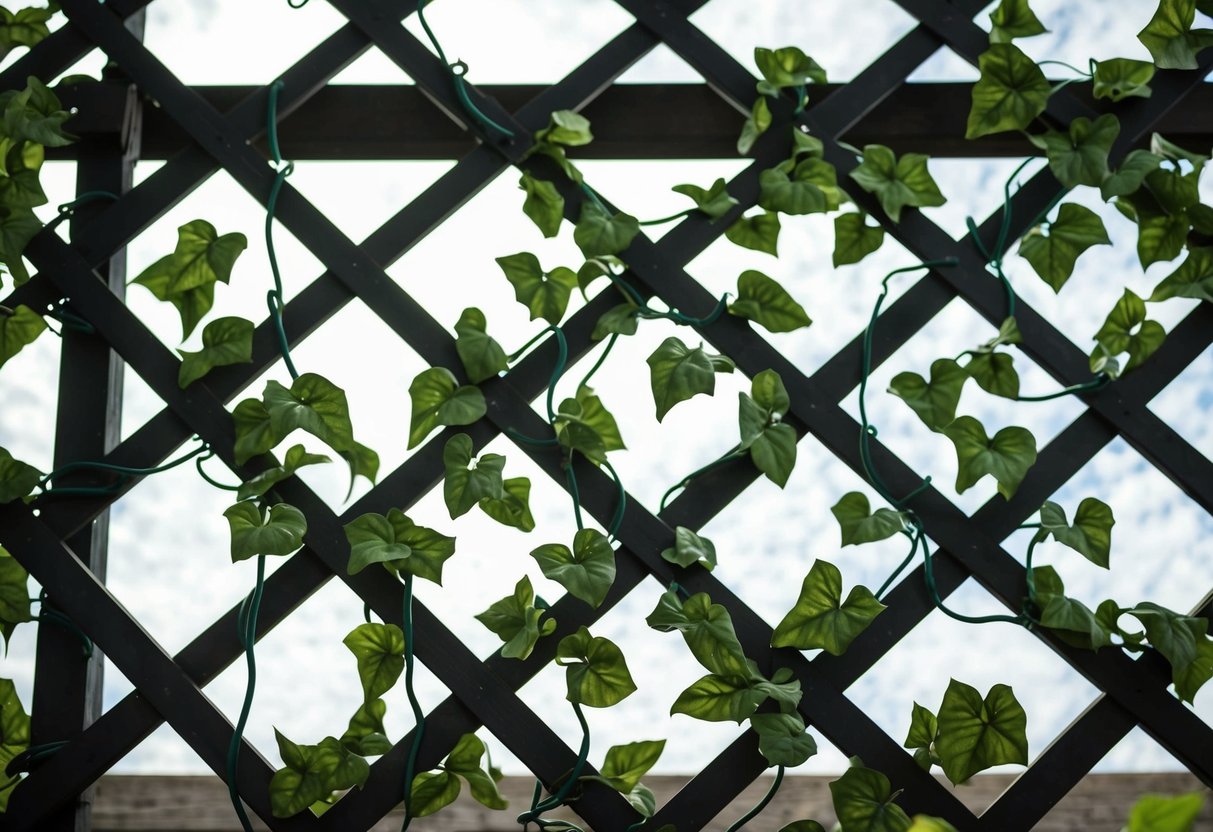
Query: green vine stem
column 418, row 714
column 561, row 795
column 736, row 452
column 246, row 626
column 762, row 804
column 125, row 473
column 274, row 299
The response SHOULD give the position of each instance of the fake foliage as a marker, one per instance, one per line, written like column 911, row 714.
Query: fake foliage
column 970, row 731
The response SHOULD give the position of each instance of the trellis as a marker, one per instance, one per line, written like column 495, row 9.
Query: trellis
column 62, row 544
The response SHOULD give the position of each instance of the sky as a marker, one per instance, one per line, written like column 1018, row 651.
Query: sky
column 168, row 555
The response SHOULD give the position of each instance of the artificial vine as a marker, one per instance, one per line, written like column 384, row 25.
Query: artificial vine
column 1156, row 189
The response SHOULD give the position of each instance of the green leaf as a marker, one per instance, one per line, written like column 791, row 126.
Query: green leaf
column 399, row 544
column 516, row 620
column 482, row 357
column 860, row 524
column 1192, row 677
column 1178, row 638
column 782, row 739
column 923, row 729
column 1007, row 456
column 774, row 452
column 1080, row 156
column 1011, row 92
column 755, row 125
column 314, row 404
column 1073, row 620
column 934, row 402
column 587, row 571
column 224, row 341
column 1193, row 278
column 254, row 433
column 1014, row 19
column 1054, row 254
column 514, row 507
column 975, row 734
column 566, row 128
column 1091, row 534
column 439, row 400
column 595, row 671
column 1156, row 813
column 1169, row 35
column 689, row 548
column 759, row 232
column 854, row 239
column 35, row 114
column 1176, row 192
column 626, row 764
column 14, row 595
column 1127, row 330
column 545, row 294
column 1121, row 78
column 618, row 320
column 585, row 425
column 464, row 760
column 1160, row 239
column 1169, row 150
column 598, row 233
column 707, row 629
column 469, row 479
column 187, row 277
column 25, row 27
column 296, row 457
column 995, row 373
column 379, row 649
column 821, row 618
column 715, row 201
column 1133, row 170
column 254, row 532
column 806, row 187
column 312, row 773
column 17, row 227
column 543, row 204
column 366, row 735
column 863, row 801
column 788, row 67
column 719, row 699
column 926, row 823
column 18, row 330
column 22, row 161
column 677, row 373
column 17, row 479
column 431, row 792
column 897, row 182
column 763, row 301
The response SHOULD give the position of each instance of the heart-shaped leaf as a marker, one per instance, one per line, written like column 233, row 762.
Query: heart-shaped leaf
column 1091, row 533
column 677, row 373
column 543, row 204
column 863, row 801
column 626, row 764
column 439, row 400
column 854, row 239
column 379, row 649
column 18, row 330
column 1121, row 78
column 1007, row 456
column 759, row 232
column 976, row 734
column 545, row 294
column 1054, row 254
column 897, row 183
column 312, row 773
column 690, row 548
column 782, row 738
column 1193, row 278
column 1010, row 93
column 707, row 629
column 934, row 402
column 1169, row 35
column 224, row 341
column 719, row 699
column 516, row 620
column 715, row 201
column 399, row 544
column 468, row 479
column 1080, row 155
column 821, row 618
column 765, row 302
column 296, row 457
column 587, row 571
column 598, row 233
column 514, row 507
column 254, row 532
column 482, row 357
column 1014, row 19
column 595, row 671
column 859, row 524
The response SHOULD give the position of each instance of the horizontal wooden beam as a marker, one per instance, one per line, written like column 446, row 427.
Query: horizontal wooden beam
column 630, row 121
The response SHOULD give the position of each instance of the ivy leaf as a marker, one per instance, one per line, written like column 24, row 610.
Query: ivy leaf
column 677, row 373
column 995, row 373
column 431, row 792
column 543, row 204
column 763, row 301
column 469, row 479
column 1193, row 278
column 482, row 357
column 584, row 424
column 439, row 400
column 278, row 532
column 755, row 125
column 379, row 649
column 715, row 201
column 587, row 571
column 689, row 548
column 1074, row 622
column 854, row 239
column 1014, row 19
column 618, row 320
column 1122, row 78
column 897, row 182
column 806, row 187
column 296, row 457
column 719, row 699
column 1127, row 330
column 1053, row 256
column 782, row 738
column 399, row 544
column 1190, row 679
column 14, row 595
column 35, row 114
column 934, row 402
column 1011, row 92
column 366, row 735
column 464, row 760
column 312, row 773
column 626, row 764
column 758, row 233
column 863, row 801
column 821, row 618
column 516, row 620
column 1178, row 638
column 22, row 161
column 14, row 734
column 17, row 479
column 1091, row 534
column 1080, row 156
column 975, row 734
column 545, row 294
column 566, row 128
column 598, row 233
column 923, row 729
column 1007, row 456
column 25, row 27
column 788, row 67
column 595, row 671
column 224, row 341
column 1133, row 170
column 860, row 524
column 1169, row 150
column 1176, row 192
column 514, row 507
column 187, row 277
column 17, row 227
column 314, row 404
column 1169, row 35
column 707, row 629
column 1161, row 238
column 596, row 267
column 774, row 452
column 1156, row 813
column 254, row 433
column 18, row 330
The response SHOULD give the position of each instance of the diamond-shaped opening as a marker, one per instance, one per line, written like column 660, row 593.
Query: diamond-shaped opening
column 739, row 27
column 176, row 28
column 944, row 65
column 139, row 402
column 382, row 188
column 917, row 670
column 949, row 333
column 1183, row 403
column 661, row 65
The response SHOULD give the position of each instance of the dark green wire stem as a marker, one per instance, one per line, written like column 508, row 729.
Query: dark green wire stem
column 68, row 208
column 570, row 476
column 418, row 714
column 593, row 197
column 246, row 626
column 929, row 574
column 51, row 615
column 610, row 345
column 559, row 797
column 736, row 452
column 762, row 804
column 202, row 473
column 274, row 299
column 124, row 473
column 30, row 757
column 621, row 505
column 670, row 218
column 1074, row 69
column 1100, row 381
column 901, row 567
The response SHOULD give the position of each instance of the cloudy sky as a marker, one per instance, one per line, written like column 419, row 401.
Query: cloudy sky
column 168, row 560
